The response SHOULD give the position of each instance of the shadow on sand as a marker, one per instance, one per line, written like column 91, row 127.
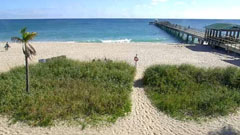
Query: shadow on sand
column 227, row 130
column 206, row 48
column 200, row 48
column 233, row 62
column 138, row 83
column 234, row 58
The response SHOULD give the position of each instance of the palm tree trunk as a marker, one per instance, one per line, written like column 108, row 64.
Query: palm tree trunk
column 27, row 71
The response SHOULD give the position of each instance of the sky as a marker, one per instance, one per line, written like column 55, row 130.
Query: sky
column 190, row 9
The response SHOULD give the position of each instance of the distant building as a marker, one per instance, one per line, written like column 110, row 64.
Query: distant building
column 223, row 35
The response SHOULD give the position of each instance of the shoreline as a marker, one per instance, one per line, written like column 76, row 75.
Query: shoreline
column 85, row 42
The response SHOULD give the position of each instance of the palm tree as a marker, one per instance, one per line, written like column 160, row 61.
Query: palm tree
column 27, row 48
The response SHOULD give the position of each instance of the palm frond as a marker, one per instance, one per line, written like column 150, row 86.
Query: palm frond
column 23, row 30
column 32, row 51
column 30, row 36
column 24, row 52
column 29, row 51
column 17, row 39
column 27, row 48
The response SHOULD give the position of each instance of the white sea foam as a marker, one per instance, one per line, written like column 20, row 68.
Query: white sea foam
column 55, row 41
column 117, row 41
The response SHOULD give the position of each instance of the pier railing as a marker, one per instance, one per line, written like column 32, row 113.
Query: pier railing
column 227, row 42
column 186, row 30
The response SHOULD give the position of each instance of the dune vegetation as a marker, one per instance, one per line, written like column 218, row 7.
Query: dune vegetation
column 67, row 90
column 188, row 92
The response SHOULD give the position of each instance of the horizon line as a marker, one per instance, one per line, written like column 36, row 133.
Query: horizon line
column 119, row 18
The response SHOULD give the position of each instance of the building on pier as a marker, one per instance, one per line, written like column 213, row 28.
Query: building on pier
column 223, row 35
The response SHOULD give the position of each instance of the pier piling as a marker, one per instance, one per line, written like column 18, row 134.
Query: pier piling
column 216, row 35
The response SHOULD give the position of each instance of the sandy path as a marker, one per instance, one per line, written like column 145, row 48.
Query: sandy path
column 144, row 118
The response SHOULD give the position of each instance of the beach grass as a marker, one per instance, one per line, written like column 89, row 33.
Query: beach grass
column 67, row 90
column 187, row 92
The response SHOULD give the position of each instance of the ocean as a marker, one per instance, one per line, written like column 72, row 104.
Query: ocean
column 98, row 30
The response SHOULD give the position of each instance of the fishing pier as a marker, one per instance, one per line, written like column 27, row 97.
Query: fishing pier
column 221, row 35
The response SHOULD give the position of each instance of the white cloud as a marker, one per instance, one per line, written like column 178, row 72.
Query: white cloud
column 212, row 13
column 155, row 2
column 179, row 3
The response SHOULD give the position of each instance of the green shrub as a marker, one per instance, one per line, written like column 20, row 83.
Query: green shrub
column 67, row 90
column 188, row 92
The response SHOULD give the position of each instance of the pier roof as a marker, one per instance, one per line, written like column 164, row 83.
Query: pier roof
column 223, row 26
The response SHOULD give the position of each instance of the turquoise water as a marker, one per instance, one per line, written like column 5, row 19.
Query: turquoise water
column 98, row 30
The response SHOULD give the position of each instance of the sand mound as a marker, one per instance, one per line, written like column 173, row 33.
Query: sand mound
column 144, row 118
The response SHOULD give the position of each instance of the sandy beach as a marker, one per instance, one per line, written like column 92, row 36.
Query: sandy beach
column 144, row 119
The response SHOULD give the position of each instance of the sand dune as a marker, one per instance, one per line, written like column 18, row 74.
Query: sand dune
column 144, row 119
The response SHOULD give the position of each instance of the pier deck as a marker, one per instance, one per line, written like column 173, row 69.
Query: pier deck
column 182, row 29
column 227, row 39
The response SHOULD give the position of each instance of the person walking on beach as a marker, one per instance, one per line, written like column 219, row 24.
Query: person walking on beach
column 7, row 46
